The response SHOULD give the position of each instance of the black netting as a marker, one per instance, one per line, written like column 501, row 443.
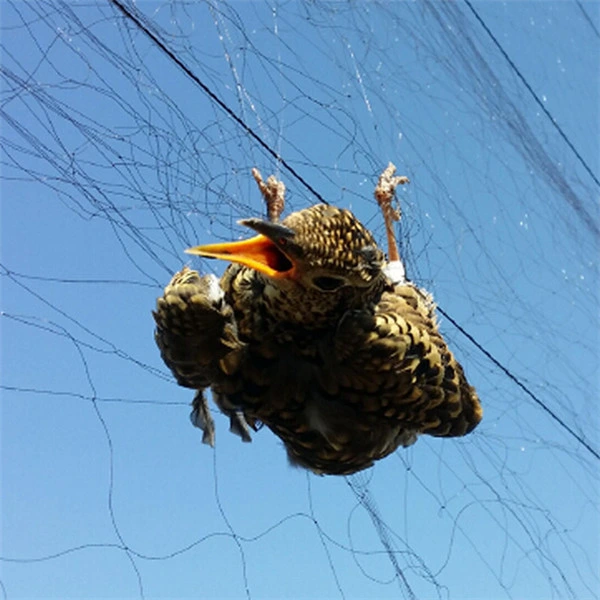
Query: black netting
column 129, row 133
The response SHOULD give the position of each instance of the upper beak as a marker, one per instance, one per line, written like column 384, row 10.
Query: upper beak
column 263, row 252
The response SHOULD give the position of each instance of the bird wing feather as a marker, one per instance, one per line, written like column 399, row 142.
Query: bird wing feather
column 372, row 383
column 197, row 335
column 394, row 362
column 196, row 330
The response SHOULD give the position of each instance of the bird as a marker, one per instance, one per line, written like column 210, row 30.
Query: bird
column 314, row 333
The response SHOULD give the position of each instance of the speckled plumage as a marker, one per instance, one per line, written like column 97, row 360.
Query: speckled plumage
column 340, row 362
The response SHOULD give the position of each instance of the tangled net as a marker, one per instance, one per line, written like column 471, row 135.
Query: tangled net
column 128, row 132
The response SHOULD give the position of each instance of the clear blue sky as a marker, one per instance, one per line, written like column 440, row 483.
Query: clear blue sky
column 114, row 161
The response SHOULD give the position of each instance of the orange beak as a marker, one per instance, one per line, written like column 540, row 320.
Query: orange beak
column 260, row 253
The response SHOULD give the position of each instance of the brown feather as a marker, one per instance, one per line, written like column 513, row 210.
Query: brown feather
column 342, row 377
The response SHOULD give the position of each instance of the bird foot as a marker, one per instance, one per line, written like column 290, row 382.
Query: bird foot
column 273, row 191
column 384, row 194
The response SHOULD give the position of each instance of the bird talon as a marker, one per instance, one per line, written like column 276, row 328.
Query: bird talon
column 384, row 194
column 273, row 192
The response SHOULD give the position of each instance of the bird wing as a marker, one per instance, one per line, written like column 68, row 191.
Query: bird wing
column 197, row 335
column 393, row 362
column 196, row 330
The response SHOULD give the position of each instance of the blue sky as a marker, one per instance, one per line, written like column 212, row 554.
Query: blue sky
column 114, row 161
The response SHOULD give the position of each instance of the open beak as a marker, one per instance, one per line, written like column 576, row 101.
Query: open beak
column 262, row 252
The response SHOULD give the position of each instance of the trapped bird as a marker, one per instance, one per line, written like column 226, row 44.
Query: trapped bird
column 312, row 332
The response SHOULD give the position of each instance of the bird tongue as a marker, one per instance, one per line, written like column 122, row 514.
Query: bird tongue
column 258, row 253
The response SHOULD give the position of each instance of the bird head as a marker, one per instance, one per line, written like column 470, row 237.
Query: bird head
column 321, row 248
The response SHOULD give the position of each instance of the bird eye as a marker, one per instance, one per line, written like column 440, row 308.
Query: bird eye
column 328, row 284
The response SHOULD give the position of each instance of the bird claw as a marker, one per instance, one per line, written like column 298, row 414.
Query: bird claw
column 384, row 194
column 273, row 191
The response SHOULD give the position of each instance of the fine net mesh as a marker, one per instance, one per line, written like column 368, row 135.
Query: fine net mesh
column 128, row 134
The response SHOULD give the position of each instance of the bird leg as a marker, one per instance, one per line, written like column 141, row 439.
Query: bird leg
column 273, row 191
column 384, row 194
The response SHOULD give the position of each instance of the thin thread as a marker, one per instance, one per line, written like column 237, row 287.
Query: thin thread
column 533, row 94
column 587, row 18
column 292, row 171
column 518, row 382
column 164, row 48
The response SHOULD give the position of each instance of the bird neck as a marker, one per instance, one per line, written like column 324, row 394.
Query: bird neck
column 292, row 303
column 262, row 305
